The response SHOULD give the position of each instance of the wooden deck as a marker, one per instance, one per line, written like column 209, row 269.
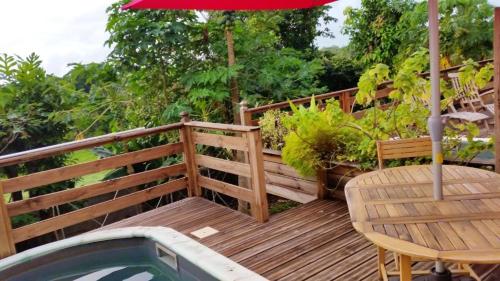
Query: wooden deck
column 312, row 242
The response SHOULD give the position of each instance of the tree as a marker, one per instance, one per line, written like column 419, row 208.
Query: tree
column 341, row 70
column 105, row 104
column 299, row 28
column 29, row 100
column 266, row 71
column 388, row 32
column 171, row 61
column 466, row 30
column 373, row 29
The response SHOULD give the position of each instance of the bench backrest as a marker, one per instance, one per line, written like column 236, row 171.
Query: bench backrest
column 404, row 148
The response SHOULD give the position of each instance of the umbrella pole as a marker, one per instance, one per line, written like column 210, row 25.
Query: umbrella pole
column 496, row 83
column 435, row 124
column 440, row 272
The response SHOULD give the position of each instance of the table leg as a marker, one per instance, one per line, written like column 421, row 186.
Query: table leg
column 381, row 262
column 405, row 268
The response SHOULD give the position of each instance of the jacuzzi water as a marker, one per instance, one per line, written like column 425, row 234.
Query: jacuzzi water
column 119, row 256
column 132, row 259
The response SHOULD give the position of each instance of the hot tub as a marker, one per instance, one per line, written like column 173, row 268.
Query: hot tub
column 132, row 254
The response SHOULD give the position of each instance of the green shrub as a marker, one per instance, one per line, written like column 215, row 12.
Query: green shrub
column 273, row 131
column 320, row 138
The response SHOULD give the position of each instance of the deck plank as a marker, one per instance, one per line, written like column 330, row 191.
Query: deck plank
column 314, row 241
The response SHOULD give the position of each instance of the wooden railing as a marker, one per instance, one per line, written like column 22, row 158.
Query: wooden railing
column 142, row 186
column 245, row 139
column 346, row 97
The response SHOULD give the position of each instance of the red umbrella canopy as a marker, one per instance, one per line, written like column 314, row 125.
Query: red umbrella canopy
column 227, row 5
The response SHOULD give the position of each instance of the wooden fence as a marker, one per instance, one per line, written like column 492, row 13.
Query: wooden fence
column 154, row 183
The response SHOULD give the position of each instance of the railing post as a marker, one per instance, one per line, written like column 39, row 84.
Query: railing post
column 188, row 155
column 259, row 207
column 7, row 246
column 246, row 117
column 346, row 101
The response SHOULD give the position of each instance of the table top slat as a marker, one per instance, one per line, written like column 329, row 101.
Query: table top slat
column 394, row 208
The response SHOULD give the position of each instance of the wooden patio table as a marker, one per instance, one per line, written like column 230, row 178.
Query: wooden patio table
column 394, row 209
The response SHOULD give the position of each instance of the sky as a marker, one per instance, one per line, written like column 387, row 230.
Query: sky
column 68, row 31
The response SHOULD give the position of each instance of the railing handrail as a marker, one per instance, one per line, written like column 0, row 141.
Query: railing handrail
column 57, row 149
column 285, row 104
column 222, row 127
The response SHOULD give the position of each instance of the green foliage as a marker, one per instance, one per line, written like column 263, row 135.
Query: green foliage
column 207, row 91
column 369, row 81
column 408, row 85
column 470, row 73
column 30, row 97
column 484, row 75
column 319, row 138
column 24, row 219
column 170, row 61
column 152, row 50
column 272, row 129
column 299, row 28
column 163, row 41
column 280, row 75
column 389, row 32
column 340, row 70
column 281, row 205
column 466, row 30
column 105, row 104
column 373, row 29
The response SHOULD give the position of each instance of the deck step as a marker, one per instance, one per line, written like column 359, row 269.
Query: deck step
column 288, row 193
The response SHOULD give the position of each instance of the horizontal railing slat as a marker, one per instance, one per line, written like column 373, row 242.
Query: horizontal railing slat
column 74, row 171
column 295, row 195
column 237, row 168
column 89, row 191
column 44, row 152
column 307, row 186
column 229, row 142
column 97, row 210
column 221, row 127
column 282, row 169
column 226, row 188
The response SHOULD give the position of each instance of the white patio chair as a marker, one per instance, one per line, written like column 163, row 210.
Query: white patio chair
column 469, row 96
column 475, row 117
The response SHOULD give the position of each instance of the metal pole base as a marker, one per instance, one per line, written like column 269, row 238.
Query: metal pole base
column 441, row 276
column 436, row 276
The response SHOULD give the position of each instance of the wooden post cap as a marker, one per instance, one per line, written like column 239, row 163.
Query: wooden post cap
column 184, row 116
